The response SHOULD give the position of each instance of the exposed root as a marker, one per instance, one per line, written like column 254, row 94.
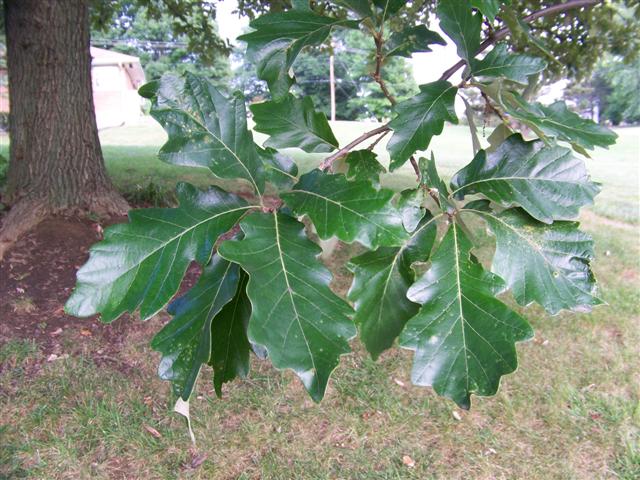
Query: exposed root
column 27, row 213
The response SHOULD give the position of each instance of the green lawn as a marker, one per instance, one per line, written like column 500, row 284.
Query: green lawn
column 571, row 411
column 130, row 154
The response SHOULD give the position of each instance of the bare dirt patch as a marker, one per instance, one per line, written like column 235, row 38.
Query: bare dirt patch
column 37, row 276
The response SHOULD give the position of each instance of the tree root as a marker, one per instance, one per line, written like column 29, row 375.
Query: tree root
column 27, row 213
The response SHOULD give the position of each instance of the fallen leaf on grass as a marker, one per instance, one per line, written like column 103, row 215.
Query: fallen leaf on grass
column 197, row 459
column 85, row 333
column 408, row 461
column 399, row 382
column 56, row 332
column 152, row 431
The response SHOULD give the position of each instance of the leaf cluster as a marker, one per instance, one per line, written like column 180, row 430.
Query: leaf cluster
column 418, row 280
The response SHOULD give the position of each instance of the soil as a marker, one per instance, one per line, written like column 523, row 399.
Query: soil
column 37, row 276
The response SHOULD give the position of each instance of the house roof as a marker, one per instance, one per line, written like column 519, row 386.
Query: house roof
column 100, row 56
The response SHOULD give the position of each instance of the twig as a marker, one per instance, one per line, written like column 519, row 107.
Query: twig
column 377, row 140
column 377, row 74
column 497, row 36
column 503, row 32
column 326, row 163
column 492, row 108
column 414, row 164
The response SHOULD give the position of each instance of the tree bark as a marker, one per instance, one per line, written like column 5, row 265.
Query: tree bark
column 56, row 163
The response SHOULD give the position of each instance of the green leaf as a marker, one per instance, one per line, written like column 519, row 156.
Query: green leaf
column 499, row 135
column 548, row 264
column 411, row 40
column 462, row 25
column 278, row 39
column 558, row 121
column 185, row 342
column 547, row 181
column 293, row 122
column 463, row 337
column 381, row 280
column 410, row 205
column 280, row 170
column 301, row 322
column 389, row 7
column 205, row 129
column 489, row 8
column 364, row 166
column 229, row 343
column 141, row 263
column 500, row 63
column 352, row 211
column 430, row 178
column 419, row 119
column 359, row 7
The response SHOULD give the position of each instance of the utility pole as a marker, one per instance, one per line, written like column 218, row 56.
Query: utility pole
column 332, row 85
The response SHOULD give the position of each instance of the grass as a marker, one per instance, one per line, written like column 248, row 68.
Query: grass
column 131, row 158
column 572, row 410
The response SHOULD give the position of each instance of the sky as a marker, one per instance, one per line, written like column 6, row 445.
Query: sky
column 427, row 67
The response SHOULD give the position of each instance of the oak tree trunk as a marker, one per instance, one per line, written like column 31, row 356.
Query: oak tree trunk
column 56, row 163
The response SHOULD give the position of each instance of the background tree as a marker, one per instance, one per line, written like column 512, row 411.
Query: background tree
column 358, row 97
column 56, row 163
column 152, row 38
column 613, row 90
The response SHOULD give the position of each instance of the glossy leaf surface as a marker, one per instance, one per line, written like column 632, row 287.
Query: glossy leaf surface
column 547, row 181
column 230, row 346
column 419, row 119
column 379, row 289
column 185, row 342
column 205, row 128
column 280, row 170
column 558, row 121
column 463, row 337
column 500, row 63
column 489, row 8
column 547, row 264
column 363, row 165
column 352, row 211
column 278, row 39
column 303, row 325
column 293, row 122
column 462, row 25
column 411, row 40
column 141, row 263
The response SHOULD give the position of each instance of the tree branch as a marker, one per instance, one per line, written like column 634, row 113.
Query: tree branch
column 503, row 32
column 377, row 74
column 326, row 163
column 497, row 36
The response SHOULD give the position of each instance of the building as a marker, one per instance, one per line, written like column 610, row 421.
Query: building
column 116, row 78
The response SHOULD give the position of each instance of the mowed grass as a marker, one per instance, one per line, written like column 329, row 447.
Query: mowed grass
column 572, row 410
column 131, row 157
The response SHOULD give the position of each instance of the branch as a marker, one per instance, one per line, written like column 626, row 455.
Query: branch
column 326, row 163
column 503, row 32
column 377, row 74
column 497, row 36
